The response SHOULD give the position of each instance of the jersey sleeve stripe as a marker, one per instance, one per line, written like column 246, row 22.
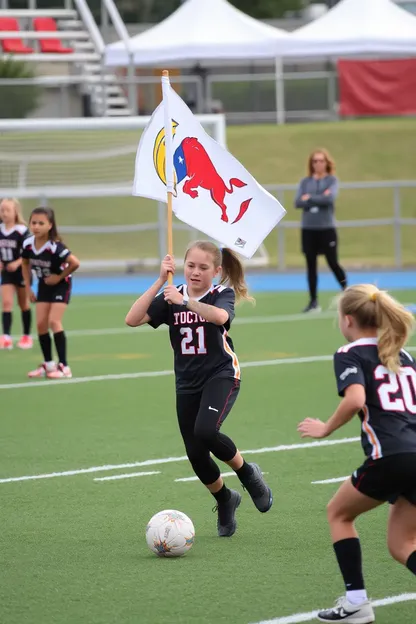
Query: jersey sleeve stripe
column 234, row 358
column 371, row 435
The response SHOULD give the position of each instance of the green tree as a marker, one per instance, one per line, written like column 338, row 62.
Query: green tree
column 17, row 102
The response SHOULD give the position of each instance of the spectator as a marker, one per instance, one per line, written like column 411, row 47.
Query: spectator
column 315, row 196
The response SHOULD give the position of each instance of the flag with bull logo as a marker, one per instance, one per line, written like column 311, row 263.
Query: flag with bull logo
column 211, row 190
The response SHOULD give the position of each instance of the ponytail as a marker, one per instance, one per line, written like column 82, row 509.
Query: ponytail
column 233, row 275
column 374, row 308
column 395, row 325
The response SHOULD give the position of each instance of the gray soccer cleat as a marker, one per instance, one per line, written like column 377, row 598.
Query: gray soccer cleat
column 226, row 523
column 258, row 489
column 345, row 611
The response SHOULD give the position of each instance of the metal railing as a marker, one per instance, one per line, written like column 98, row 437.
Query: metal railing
column 396, row 221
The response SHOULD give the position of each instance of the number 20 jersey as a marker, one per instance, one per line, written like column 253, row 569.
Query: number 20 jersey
column 202, row 350
column 388, row 419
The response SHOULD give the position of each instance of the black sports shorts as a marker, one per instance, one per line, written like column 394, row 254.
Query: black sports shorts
column 212, row 404
column 61, row 293
column 388, row 478
column 319, row 242
column 15, row 278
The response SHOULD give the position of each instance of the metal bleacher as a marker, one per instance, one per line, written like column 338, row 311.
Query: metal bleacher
column 69, row 37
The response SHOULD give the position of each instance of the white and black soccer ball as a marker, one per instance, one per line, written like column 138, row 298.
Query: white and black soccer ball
column 170, row 533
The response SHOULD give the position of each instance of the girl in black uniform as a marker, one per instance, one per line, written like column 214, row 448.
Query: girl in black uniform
column 376, row 378
column 13, row 231
column 207, row 370
column 53, row 263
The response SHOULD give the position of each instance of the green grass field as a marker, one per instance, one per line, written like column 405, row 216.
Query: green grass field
column 73, row 549
column 364, row 150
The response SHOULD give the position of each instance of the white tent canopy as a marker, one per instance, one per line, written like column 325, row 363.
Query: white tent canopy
column 357, row 27
column 200, row 31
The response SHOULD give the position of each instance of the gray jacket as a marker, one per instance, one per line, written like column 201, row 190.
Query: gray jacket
column 318, row 210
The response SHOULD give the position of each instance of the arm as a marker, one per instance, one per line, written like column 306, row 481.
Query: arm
column 353, row 402
column 299, row 202
column 210, row 313
column 13, row 266
column 327, row 197
column 137, row 315
column 351, row 386
column 26, row 276
column 72, row 263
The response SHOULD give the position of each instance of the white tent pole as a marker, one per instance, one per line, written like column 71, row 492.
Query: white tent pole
column 280, row 92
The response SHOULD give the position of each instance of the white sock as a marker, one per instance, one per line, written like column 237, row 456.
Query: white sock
column 357, row 596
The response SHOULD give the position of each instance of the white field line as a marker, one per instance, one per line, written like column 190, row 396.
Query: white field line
column 249, row 320
column 162, row 373
column 307, row 617
column 187, row 479
column 172, row 460
column 129, row 475
column 325, row 481
column 223, row 474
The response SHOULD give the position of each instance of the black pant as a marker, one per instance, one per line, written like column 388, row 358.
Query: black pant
column 314, row 244
column 200, row 417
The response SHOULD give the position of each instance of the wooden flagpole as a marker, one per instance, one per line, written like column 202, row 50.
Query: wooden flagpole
column 165, row 73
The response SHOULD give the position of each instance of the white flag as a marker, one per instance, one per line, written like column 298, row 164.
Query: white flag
column 213, row 192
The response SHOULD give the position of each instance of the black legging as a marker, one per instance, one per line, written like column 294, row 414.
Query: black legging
column 331, row 256
column 200, row 417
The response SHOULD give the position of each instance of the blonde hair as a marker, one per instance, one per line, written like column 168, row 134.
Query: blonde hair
column 330, row 162
column 18, row 213
column 232, row 271
column 374, row 308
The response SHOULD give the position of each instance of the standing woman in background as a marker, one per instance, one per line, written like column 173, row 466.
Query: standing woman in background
column 315, row 196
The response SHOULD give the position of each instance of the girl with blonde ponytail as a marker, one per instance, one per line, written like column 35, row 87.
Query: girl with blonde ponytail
column 199, row 315
column 376, row 378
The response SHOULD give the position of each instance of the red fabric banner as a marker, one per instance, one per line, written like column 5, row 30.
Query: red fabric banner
column 377, row 87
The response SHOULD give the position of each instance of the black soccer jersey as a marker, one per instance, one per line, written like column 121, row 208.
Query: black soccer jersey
column 11, row 242
column 202, row 350
column 48, row 260
column 388, row 419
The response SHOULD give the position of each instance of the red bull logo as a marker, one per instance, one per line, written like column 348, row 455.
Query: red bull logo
column 193, row 164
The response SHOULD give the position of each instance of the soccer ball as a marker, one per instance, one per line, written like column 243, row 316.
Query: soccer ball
column 170, row 533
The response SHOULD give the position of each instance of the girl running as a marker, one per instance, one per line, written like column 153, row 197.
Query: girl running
column 45, row 253
column 207, row 371
column 376, row 378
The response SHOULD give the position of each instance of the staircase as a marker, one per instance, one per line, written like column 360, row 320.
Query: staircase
column 107, row 97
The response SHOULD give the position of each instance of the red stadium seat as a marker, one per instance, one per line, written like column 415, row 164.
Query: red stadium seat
column 49, row 46
column 14, row 46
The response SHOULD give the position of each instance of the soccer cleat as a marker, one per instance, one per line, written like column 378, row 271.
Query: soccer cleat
column 226, row 523
column 25, row 342
column 312, row 307
column 344, row 611
column 60, row 372
column 258, row 489
column 6, row 342
column 42, row 370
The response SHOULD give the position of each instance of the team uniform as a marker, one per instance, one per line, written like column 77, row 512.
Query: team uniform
column 388, row 420
column 11, row 242
column 48, row 260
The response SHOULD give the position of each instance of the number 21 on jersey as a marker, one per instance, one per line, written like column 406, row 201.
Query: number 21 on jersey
column 403, row 383
column 187, row 348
